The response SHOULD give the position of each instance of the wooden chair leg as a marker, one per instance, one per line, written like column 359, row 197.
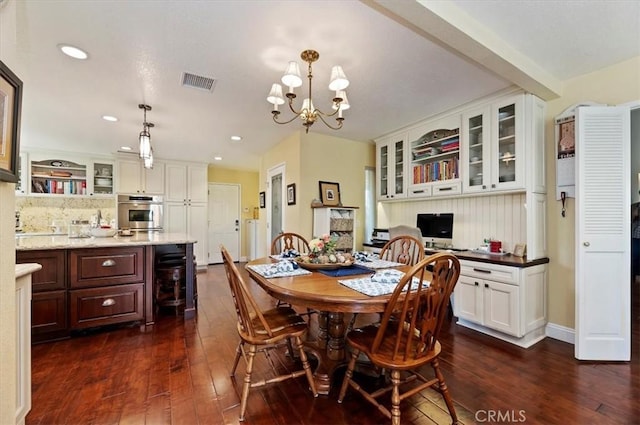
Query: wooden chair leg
column 348, row 374
column 444, row 390
column 395, row 397
column 237, row 359
column 247, row 382
column 290, row 351
column 306, row 366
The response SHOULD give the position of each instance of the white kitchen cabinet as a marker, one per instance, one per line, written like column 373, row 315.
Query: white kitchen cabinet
column 132, row 177
column 22, row 185
column 190, row 219
column 390, row 167
column 494, row 144
column 103, row 178
column 186, row 182
column 506, row 302
column 339, row 222
column 186, row 204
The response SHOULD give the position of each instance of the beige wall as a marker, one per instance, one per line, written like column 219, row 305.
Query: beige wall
column 312, row 157
column 334, row 159
column 7, row 305
column 616, row 84
column 248, row 181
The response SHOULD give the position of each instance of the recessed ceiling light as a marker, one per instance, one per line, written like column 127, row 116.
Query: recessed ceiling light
column 236, row 138
column 73, row 51
column 125, row 148
column 217, row 158
column 109, row 118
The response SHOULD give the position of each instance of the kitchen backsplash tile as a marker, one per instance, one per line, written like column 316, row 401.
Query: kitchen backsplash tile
column 38, row 214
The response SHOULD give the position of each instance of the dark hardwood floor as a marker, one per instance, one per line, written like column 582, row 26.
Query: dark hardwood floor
column 178, row 373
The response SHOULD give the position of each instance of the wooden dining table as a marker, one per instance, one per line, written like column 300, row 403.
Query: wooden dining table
column 324, row 293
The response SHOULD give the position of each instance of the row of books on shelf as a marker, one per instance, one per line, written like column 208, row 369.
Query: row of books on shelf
column 58, row 187
column 435, row 171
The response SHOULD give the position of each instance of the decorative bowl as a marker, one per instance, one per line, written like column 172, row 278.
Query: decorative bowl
column 327, row 266
column 100, row 232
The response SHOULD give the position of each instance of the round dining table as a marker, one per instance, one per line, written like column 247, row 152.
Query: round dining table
column 326, row 294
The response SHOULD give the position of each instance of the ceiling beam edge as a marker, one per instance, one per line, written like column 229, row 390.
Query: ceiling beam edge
column 452, row 28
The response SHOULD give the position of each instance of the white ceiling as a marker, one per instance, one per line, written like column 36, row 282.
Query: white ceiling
column 406, row 61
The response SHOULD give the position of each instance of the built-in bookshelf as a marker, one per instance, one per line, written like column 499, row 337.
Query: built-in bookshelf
column 435, row 156
column 58, row 177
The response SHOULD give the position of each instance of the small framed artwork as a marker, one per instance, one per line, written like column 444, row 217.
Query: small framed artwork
column 329, row 193
column 291, row 194
column 263, row 200
column 520, row 250
column 10, row 107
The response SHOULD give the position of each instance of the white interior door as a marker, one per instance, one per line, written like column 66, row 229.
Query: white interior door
column 602, row 234
column 224, row 220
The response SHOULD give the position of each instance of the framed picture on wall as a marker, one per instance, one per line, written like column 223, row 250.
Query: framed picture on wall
column 291, row 194
column 263, row 200
column 329, row 193
column 10, row 107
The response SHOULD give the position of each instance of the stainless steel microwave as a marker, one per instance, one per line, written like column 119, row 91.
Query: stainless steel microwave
column 140, row 212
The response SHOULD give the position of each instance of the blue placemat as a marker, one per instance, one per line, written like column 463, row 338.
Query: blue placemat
column 346, row 271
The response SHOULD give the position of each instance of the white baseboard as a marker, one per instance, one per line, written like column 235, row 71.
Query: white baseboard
column 561, row 333
column 244, row 259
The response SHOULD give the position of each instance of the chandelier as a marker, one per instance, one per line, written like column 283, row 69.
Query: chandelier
column 309, row 113
column 146, row 151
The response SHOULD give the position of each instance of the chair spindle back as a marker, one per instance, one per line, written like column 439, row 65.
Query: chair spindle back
column 419, row 306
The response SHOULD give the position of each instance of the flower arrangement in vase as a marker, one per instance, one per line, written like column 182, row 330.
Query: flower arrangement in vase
column 323, row 251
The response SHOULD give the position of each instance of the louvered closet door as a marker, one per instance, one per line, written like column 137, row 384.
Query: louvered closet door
column 602, row 234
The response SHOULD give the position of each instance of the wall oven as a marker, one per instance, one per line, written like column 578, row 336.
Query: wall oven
column 140, row 213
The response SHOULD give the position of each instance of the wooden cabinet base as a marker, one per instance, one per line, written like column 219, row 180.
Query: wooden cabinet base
column 106, row 305
column 49, row 316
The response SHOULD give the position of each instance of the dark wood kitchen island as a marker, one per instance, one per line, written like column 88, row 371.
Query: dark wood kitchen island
column 92, row 282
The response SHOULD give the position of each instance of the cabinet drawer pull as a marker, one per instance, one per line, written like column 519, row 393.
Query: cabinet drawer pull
column 482, row 271
column 442, row 189
column 108, row 263
column 108, row 302
column 418, row 191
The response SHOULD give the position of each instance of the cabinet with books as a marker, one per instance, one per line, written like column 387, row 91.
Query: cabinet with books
column 58, row 177
column 434, row 151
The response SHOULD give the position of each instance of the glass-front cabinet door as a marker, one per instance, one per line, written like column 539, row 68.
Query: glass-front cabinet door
column 493, row 147
column 476, row 152
column 508, row 148
column 102, row 178
column 390, row 164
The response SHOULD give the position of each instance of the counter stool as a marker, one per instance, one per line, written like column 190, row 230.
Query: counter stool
column 170, row 289
column 176, row 259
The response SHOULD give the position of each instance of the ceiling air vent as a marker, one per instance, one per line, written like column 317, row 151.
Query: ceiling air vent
column 198, row 82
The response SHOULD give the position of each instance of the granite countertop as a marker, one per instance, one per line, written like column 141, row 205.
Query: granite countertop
column 56, row 241
column 505, row 260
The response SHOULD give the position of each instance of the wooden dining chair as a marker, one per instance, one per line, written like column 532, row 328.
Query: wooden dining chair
column 263, row 331
column 287, row 241
column 401, row 249
column 407, row 337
